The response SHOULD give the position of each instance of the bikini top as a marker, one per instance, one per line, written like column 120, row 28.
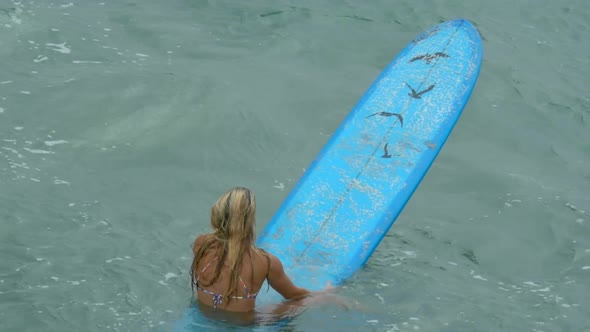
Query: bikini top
column 218, row 298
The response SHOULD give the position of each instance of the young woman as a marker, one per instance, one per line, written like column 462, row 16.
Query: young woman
column 228, row 269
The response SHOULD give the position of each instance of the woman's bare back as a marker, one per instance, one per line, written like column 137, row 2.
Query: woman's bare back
column 254, row 269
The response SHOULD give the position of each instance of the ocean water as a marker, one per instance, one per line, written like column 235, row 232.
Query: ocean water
column 122, row 121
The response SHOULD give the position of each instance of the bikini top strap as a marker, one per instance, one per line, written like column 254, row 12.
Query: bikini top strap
column 244, row 285
column 206, row 266
column 266, row 255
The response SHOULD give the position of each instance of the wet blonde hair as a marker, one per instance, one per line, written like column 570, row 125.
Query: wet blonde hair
column 233, row 219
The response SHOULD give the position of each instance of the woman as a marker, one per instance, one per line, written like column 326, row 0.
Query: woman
column 228, row 269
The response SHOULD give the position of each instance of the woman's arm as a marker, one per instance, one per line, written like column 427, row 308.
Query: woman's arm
column 278, row 279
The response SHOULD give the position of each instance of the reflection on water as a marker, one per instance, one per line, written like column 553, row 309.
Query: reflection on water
column 200, row 315
column 281, row 315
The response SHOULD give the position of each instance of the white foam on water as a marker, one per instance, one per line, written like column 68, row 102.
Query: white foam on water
column 279, row 185
column 141, row 55
column 585, row 267
column 380, row 297
column 61, row 48
column 13, row 151
column 393, row 327
column 76, row 282
column 410, row 253
column 15, row 165
column 67, row 5
column 170, row 275
column 546, row 289
column 114, row 259
column 56, row 142
column 40, row 58
column 25, row 92
column 37, row 151
column 85, row 61
column 58, row 181
column 35, row 180
column 15, row 19
column 530, row 283
column 1, row 110
column 479, row 278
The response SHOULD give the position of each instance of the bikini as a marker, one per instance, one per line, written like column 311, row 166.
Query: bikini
column 218, row 298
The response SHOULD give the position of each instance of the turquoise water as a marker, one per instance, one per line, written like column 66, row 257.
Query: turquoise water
column 121, row 122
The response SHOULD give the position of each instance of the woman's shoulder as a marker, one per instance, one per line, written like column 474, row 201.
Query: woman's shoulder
column 270, row 260
column 260, row 256
column 262, row 253
column 202, row 240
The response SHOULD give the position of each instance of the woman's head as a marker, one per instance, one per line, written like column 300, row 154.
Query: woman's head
column 233, row 216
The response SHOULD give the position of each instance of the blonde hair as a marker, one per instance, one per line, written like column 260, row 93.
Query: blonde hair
column 233, row 219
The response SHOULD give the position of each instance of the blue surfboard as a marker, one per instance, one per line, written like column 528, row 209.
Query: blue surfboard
column 349, row 197
column 351, row 194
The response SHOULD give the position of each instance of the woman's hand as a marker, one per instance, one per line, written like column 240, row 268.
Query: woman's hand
column 327, row 296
